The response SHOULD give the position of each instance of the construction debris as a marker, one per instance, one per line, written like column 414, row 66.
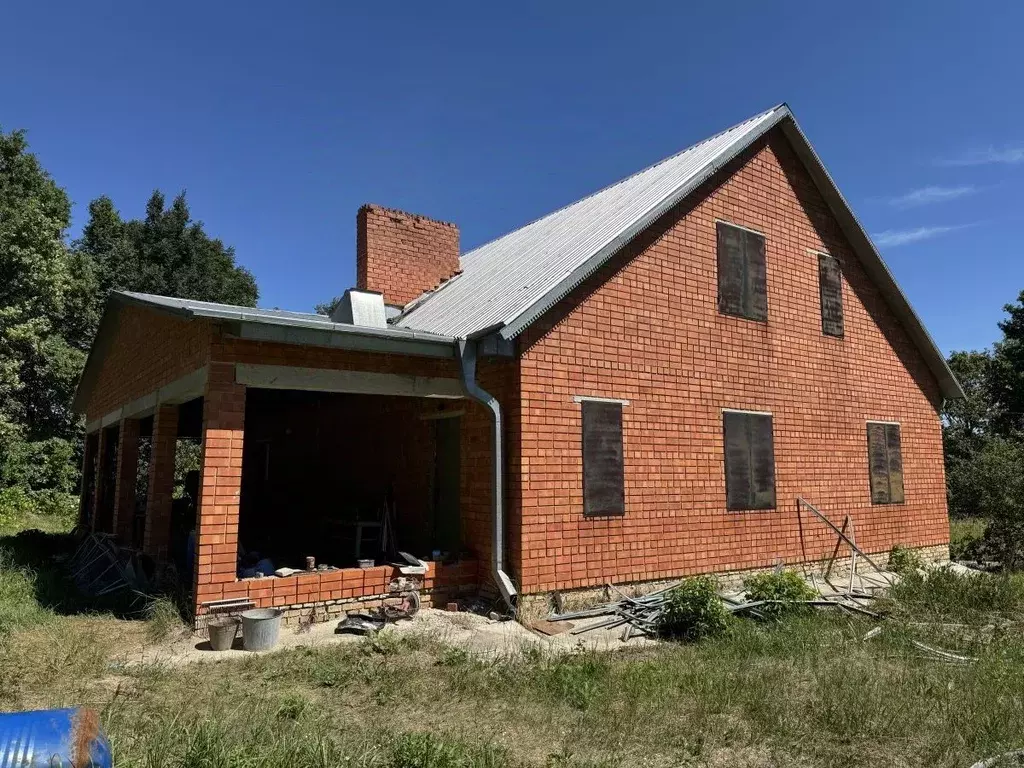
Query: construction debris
column 642, row 614
column 101, row 569
column 376, row 619
column 1007, row 759
column 550, row 628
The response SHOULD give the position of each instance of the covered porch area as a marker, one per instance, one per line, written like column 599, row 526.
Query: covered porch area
column 289, row 460
column 314, row 481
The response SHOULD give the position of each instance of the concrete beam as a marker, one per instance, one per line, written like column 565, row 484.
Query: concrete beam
column 188, row 387
column 354, row 382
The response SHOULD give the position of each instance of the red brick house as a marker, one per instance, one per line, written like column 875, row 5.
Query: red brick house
column 635, row 387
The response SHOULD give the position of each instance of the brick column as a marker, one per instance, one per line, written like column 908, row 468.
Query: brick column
column 221, row 484
column 124, row 483
column 161, row 482
column 97, row 483
column 87, row 502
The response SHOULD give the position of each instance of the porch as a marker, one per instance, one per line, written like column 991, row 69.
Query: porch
column 239, row 470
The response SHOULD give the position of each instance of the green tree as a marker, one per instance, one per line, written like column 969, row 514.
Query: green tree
column 45, row 323
column 327, row 307
column 967, row 429
column 1000, row 481
column 165, row 253
column 1007, row 379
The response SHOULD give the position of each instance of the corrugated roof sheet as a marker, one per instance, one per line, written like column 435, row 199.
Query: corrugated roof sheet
column 278, row 317
column 505, row 278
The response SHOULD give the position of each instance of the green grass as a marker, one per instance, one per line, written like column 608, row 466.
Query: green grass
column 965, row 537
column 807, row 690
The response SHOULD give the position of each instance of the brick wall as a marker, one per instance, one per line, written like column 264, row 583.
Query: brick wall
column 221, row 485
column 124, row 491
column 402, row 254
column 148, row 350
column 648, row 330
column 160, row 496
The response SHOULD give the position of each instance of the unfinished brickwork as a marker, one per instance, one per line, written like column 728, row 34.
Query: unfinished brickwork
column 645, row 330
column 124, row 489
column 220, row 485
column 161, row 482
column 403, row 254
column 148, row 351
column 648, row 330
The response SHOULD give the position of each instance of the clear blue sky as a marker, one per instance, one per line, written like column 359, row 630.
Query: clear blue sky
column 280, row 119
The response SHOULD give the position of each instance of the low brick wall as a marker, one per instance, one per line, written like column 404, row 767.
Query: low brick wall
column 325, row 595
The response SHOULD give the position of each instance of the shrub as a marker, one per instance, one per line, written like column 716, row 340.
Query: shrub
column 15, row 506
column 904, row 560
column 18, row 503
column 787, row 587
column 1000, row 473
column 694, row 610
column 967, row 539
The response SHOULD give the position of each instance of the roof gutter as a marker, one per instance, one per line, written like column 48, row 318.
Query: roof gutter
column 467, row 352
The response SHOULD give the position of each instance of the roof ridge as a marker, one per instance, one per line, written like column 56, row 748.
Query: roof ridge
column 424, row 297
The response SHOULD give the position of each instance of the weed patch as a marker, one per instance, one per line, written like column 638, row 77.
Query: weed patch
column 693, row 610
column 783, row 591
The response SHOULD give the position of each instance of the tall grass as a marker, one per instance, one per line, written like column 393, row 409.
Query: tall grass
column 804, row 691
column 19, row 607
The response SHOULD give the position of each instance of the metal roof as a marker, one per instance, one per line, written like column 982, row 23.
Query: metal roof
column 272, row 325
column 508, row 283
column 275, row 317
column 506, row 278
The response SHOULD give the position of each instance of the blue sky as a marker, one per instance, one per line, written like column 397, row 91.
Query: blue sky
column 280, row 119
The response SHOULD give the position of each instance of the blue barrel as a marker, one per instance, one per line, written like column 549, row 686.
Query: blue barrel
column 53, row 738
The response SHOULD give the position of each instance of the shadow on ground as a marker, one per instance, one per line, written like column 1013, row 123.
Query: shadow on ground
column 48, row 556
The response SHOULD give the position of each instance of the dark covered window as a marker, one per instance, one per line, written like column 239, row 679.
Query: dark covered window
column 742, row 289
column 749, row 460
column 885, row 463
column 603, row 488
column 830, row 284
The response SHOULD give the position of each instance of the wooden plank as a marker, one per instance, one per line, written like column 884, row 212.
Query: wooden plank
column 550, row 628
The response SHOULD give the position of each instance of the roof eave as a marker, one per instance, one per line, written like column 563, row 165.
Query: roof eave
column 855, row 233
column 873, row 262
column 254, row 327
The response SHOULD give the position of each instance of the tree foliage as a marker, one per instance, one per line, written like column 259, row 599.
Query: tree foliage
column 983, row 436
column 165, row 253
column 52, row 295
column 45, row 304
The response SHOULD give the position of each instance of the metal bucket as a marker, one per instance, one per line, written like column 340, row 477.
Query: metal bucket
column 260, row 628
column 222, row 633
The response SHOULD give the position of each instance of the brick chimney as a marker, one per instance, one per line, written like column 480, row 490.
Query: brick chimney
column 403, row 254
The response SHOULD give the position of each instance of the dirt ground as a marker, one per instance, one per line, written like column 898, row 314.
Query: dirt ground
column 469, row 631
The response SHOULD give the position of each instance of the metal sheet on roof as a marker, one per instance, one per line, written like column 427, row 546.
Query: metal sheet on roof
column 277, row 317
column 506, row 277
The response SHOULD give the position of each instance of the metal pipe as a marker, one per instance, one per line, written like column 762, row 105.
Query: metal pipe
column 467, row 350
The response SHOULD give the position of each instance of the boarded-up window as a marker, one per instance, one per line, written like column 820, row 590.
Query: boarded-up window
column 742, row 289
column 603, row 488
column 749, row 460
column 830, row 283
column 885, row 463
